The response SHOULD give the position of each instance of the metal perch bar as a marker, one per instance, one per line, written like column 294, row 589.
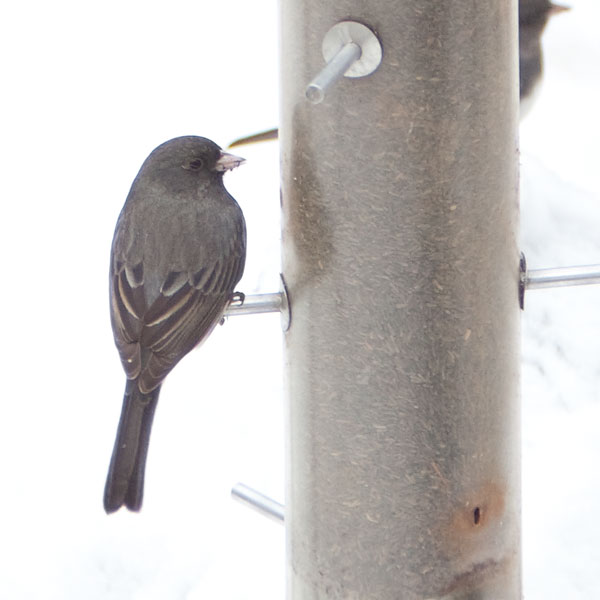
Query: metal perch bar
column 256, row 304
column 535, row 279
column 538, row 279
column 263, row 504
column 316, row 89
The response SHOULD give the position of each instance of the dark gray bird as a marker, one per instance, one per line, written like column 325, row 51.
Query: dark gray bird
column 178, row 252
column 533, row 16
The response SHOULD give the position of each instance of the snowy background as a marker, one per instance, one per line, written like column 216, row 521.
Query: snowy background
column 88, row 91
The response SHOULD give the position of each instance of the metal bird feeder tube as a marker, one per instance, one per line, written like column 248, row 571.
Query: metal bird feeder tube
column 400, row 225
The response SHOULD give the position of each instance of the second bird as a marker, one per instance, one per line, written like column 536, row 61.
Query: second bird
column 178, row 252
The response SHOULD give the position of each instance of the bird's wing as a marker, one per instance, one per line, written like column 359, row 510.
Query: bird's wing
column 127, row 308
column 152, row 339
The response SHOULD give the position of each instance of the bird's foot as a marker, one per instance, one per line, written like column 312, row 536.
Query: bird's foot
column 237, row 298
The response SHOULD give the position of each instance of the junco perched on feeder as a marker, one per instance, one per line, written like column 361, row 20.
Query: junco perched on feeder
column 178, row 252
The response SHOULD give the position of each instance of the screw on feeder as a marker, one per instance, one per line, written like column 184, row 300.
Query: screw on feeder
column 351, row 49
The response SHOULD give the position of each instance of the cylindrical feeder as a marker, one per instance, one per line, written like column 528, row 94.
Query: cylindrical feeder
column 400, row 255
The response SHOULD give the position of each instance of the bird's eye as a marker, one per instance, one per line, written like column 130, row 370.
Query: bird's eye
column 194, row 165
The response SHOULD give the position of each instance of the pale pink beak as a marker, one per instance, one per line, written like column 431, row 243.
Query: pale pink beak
column 558, row 8
column 228, row 162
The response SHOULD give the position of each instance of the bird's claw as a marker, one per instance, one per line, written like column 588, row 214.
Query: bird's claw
column 237, row 298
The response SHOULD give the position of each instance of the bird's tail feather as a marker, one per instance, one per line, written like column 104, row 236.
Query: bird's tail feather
column 125, row 481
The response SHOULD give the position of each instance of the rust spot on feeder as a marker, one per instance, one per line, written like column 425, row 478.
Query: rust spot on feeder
column 476, row 515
